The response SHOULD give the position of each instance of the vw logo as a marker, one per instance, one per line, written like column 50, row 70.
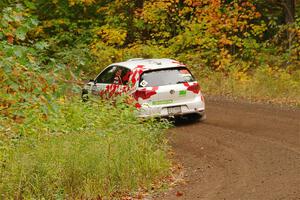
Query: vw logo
column 172, row 91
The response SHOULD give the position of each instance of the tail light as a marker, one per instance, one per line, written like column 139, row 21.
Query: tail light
column 195, row 88
column 202, row 98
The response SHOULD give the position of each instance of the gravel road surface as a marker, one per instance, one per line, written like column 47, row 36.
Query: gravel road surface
column 242, row 151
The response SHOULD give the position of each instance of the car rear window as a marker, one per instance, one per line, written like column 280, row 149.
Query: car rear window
column 162, row 77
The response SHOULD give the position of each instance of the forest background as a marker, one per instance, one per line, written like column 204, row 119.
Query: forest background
column 245, row 49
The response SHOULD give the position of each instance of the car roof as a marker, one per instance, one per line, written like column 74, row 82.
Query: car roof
column 149, row 64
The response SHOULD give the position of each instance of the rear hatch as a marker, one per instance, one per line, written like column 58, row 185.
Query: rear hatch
column 169, row 86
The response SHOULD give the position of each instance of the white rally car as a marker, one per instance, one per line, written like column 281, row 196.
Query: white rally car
column 160, row 87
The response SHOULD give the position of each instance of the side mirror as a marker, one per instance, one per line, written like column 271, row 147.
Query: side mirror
column 89, row 82
column 92, row 81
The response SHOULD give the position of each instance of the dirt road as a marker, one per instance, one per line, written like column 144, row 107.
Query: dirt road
column 241, row 151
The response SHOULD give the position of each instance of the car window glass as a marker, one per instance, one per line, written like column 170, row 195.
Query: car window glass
column 121, row 76
column 165, row 77
column 117, row 78
column 107, row 76
column 125, row 75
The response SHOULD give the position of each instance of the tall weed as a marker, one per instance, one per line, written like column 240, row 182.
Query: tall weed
column 85, row 151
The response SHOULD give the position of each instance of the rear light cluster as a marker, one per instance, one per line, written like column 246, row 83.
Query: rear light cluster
column 195, row 87
column 202, row 98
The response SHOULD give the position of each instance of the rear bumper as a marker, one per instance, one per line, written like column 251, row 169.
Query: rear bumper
column 197, row 106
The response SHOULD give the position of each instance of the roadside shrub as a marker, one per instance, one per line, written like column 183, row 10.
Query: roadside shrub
column 52, row 146
column 85, row 151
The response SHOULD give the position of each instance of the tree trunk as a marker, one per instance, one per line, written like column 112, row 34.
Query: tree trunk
column 289, row 10
column 289, row 16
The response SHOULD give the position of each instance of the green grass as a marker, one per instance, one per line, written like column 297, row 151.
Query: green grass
column 85, row 151
column 278, row 86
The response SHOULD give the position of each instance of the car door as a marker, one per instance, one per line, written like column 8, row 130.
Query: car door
column 111, row 82
column 104, row 81
column 122, row 77
column 119, row 83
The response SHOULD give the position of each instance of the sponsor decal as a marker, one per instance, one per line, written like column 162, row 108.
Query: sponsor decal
column 144, row 83
column 136, row 74
column 162, row 102
column 145, row 93
column 182, row 93
column 126, row 77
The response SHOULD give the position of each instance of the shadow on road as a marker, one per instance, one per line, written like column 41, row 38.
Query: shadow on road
column 184, row 122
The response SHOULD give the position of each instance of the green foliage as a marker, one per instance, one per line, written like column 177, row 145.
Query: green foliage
column 85, row 151
column 264, row 84
column 52, row 146
column 217, row 31
column 15, row 23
